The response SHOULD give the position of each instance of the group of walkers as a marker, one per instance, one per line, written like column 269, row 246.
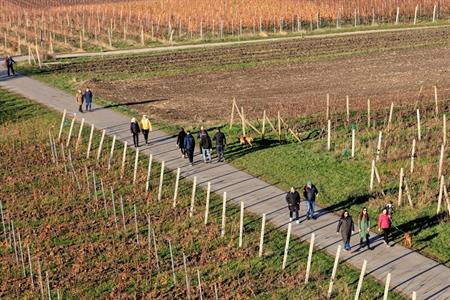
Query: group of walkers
column 86, row 98
column 186, row 144
column 345, row 225
column 136, row 127
column 9, row 63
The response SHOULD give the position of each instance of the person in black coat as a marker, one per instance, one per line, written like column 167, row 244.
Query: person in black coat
column 219, row 137
column 135, row 130
column 180, row 142
column 293, row 201
column 206, row 145
column 189, row 146
column 346, row 227
column 9, row 62
column 309, row 192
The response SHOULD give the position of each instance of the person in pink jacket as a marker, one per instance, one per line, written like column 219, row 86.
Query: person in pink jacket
column 384, row 223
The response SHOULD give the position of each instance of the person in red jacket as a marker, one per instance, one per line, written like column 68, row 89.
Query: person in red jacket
column 384, row 223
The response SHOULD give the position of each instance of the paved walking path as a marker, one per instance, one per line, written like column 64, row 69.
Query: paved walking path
column 410, row 271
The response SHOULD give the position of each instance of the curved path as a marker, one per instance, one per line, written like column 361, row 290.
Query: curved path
column 410, row 271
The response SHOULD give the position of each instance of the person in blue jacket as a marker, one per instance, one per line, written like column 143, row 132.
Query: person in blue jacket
column 189, row 146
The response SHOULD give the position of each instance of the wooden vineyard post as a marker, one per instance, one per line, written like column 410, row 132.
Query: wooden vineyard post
column 175, row 192
column 188, row 284
column 224, row 214
column 194, row 188
column 347, row 104
column 419, row 132
column 41, row 285
column 124, row 157
column 136, row 160
column 408, row 194
column 30, row 266
column 99, row 152
column 327, row 117
column 79, row 135
column 241, row 225
column 123, row 213
column 136, row 228
column 232, row 112
column 400, row 188
column 444, row 129
column 397, row 15
column 199, row 279
column 3, row 220
column 353, row 140
column 308, row 266
column 149, row 169
column 413, row 154
column 243, row 121
column 114, row 208
column 361, row 278
column 372, row 175
column 391, row 112
column 436, row 101
column 279, row 127
column 368, row 113
column 286, row 246
column 434, row 13
column 441, row 160
column 91, row 135
column 386, row 286
column 261, row 238
column 263, row 125
column 415, row 14
column 172, row 263
column 70, row 130
column 380, row 135
column 62, row 125
column 333, row 274
column 208, row 195
column 414, row 296
column 161, row 178
column 112, row 152
column 329, row 135
column 441, row 191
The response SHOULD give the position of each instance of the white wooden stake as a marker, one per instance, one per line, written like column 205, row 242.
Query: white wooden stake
column 208, row 195
column 413, row 154
column 353, row 142
column 124, row 157
column 372, row 175
column 175, row 192
column 136, row 160
column 391, row 112
column 415, row 14
column 15, row 243
column 361, row 278
column 22, row 260
column 70, row 130
column 114, row 208
column 199, row 277
column 261, row 237
column 79, row 135
column 308, row 266
column 333, row 274
column 30, row 266
column 380, row 135
column 188, row 283
column 156, row 250
column 386, row 286
column 161, row 179
column 368, row 113
column 414, row 296
column 48, row 286
column 347, row 104
column 444, row 129
column 329, row 135
column 62, row 125
column 41, row 285
column 400, row 188
column 286, row 246
column 436, row 101
column 3, row 219
column 224, row 216
column 441, row 190
column 441, row 161
column 172, row 263
column 419, row 132
column 328, row 107
column 147, row 183
column 241, row 225
column 397, row 15
column 99, row 152
column 194, row 188
column 91, row 135
column 136, row 228
column 434, row 13
column 123, row 213
column 111, row 153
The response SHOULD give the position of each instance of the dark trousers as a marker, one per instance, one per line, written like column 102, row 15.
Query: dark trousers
column 219, row 149
column 291, row 213
column 136, row 139
column 183, row 151
column 145, row 132
column 190, row 153
column 80, row 108
column 11, row 69
column 361, row 240
column 386, row 235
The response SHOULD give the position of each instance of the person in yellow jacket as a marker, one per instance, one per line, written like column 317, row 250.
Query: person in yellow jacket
column 146, row 126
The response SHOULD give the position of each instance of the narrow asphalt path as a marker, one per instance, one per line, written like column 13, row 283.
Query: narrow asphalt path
column 410, row 270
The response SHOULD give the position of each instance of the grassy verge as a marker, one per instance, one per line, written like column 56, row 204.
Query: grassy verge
column 69, row 225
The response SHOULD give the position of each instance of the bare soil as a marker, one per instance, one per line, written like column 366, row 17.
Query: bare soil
column 292, row 77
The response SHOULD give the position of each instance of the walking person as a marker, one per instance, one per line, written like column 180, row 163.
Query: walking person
column 206, row 145
column 384, row 224
column 189, row 146
column 293, row 201
column 364, row 227
column 180, row 142
column 309, row 192
column 79, row 99
column 199, row 137
column 146, row 127
column 221, row 141
column 9, row 62
column 346, row 227
column 135, row 130
column 88, row 97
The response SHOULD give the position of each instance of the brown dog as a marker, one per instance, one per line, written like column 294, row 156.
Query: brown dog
column 245, row 140
column 407, row 239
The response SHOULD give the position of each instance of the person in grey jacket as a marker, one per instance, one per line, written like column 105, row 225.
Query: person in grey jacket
column 346, row 227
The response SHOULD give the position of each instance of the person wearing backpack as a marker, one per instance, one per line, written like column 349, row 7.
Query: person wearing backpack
column 135, row 130
column 346, row 227
column 364, row 227
column 384, row 224
column 293, row 201
column 309, row 192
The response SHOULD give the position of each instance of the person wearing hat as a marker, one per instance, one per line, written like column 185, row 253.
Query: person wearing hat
column 309, row 192
column 146, row 127
column 293, row 201
column 135, row 130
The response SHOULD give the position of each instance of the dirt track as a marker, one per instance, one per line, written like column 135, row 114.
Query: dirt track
column 290, row 76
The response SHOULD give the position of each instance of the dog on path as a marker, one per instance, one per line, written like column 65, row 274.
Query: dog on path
column 407, row 239
column 246, row 140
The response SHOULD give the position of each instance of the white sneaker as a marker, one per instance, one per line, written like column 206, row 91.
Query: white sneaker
column 298, row 221
column 290, row 219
